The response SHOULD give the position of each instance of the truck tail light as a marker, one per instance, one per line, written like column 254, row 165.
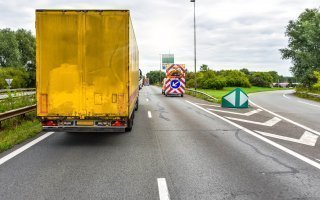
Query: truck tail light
column 118, row 123
column 49, row 123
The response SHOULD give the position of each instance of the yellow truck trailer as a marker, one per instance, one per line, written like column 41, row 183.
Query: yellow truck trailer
column 87, row 70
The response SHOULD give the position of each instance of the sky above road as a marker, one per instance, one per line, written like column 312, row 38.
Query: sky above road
column 231, row 34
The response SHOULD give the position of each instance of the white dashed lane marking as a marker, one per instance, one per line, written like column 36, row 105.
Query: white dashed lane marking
column 149, row 114
column 163, row 189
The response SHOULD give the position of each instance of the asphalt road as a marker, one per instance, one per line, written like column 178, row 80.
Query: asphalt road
column 285, row 103
column 197, row 151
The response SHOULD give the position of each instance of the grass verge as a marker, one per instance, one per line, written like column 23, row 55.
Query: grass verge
column 220, row 93
column 17, row 130
column 13, row 102
column 306, row 96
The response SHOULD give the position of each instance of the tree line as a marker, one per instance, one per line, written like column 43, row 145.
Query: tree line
column 17, row 58
column 210, row 79
column 304, row 48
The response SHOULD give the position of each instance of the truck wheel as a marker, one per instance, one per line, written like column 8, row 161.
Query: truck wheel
column 181, row 95
column 137, row 105
column 130, row 123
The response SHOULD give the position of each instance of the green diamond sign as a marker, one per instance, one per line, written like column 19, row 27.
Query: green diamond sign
column 235, row 99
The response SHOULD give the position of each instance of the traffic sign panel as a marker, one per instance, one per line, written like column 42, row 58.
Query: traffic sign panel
column 235, row 99
column 175, row 84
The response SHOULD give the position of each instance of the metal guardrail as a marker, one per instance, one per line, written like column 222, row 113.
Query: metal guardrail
column 17, row 90
column 16, row 112
column 203, row 95
column 15, row 97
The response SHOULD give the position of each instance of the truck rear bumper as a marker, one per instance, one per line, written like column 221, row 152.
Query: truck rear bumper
column 84, row 129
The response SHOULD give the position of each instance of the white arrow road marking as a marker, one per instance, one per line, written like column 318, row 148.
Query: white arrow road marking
column 270, row 122
column 163, row 189
column 307, row 138
column 243, row 114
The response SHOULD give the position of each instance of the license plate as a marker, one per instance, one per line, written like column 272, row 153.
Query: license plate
column 85, row 123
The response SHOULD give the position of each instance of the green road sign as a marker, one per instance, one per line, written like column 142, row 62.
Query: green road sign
column 235, row 99
column 168, row 58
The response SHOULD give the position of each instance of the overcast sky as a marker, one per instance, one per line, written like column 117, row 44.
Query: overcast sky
column 231, row 34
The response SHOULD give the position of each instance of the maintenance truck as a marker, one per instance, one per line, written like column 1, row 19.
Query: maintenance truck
column 87, row 70
column 174, row 83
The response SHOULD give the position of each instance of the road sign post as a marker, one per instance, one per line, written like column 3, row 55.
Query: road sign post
column 235, row 99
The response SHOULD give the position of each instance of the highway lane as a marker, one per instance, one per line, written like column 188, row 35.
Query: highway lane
column 199, row 155
column 285, row 103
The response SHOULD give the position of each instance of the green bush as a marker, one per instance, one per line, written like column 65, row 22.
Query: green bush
column 190, row 83
column 216, row 83
column 261, row 79
column 19, row 75
column 235, row 78
column 316, row 86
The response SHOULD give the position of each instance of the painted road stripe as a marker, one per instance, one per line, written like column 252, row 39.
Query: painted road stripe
column 310, row 104
column 149, row 114
column 307, row 138
column 147, row 99
column 23, row 148
column 270, row 122
column 202, row 104
column 318, row 160
column 285, row 96
column 236, row 113
column 289, row 151
column 288, row 120
column 163, row 189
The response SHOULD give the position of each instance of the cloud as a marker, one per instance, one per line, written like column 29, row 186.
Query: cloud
column 230, row 33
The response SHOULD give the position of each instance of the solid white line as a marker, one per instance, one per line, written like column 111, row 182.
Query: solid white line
column 307, row 138
column 318, row 160
column 163, row 189
column 310, row 104
column 202, row 104
column 299, row 156
column 149, row 114
column 285, row 96
column 147, row 99
column 270, row 122
column 23, row 148
column 236, row 113
column 288, row 120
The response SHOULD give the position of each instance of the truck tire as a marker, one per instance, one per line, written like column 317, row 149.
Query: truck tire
column 137, row 105
column 130, row 123
column 181, row 95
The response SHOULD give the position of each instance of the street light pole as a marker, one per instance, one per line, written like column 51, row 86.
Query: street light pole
column 195, row 44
